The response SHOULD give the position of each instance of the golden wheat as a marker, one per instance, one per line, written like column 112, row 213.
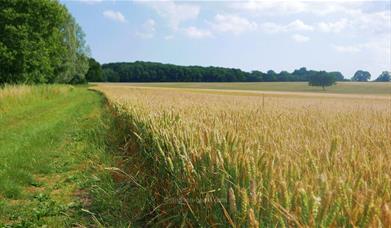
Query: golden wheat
column 272, row 159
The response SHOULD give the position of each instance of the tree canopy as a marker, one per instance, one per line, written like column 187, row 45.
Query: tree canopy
column 361, row 76
column 158, row 72
column 94, row 73
column 322, row 79
column 40, row 42
column 385, row 76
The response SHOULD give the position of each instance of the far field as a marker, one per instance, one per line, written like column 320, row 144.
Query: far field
column 373, row 88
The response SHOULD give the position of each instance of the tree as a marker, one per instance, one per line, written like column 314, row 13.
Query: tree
column 300, row 74
column 255, row 76
column 361, row 76
column 338, row 75
column 110, row 75
column 94, row 73
column 270, row 76
column 283, row 76
column 322, row 79
column 74, row 60
column 40, row 42
column 384, row 77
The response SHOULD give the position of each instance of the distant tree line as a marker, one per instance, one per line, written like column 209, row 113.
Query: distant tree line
column 40, row 42
column 364, row 76
column 158, row 72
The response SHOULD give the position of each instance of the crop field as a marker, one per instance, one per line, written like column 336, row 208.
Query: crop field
column 369, row 88
column 222, row 158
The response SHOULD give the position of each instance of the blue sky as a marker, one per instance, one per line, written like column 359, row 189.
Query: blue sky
column 250, row 35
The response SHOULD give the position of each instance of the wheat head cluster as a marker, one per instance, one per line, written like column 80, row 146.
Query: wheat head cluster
column 262, row 160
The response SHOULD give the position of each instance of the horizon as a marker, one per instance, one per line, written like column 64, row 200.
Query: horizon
column 343, row 36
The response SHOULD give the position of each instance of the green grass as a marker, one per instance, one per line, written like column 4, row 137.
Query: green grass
column 379, row 88
column 56, row 143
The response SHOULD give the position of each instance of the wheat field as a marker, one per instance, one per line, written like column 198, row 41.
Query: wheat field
column 261, row 160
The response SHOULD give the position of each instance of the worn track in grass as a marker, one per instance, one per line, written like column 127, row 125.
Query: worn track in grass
column 56, row 147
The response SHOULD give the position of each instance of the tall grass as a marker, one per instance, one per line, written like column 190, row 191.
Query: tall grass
column 20, row 152
column 253, row 161
column 13, row 95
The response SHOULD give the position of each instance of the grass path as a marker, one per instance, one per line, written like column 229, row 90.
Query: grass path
column 53, row 154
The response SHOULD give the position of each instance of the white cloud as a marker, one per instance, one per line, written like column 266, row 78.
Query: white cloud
column 232, row 23
column 282, row 7
column 90, row 1
column 360, row 23
column 300, row 38
column 271, row 27
column 197, row 33
column 296, row 25
column 376, row 23
column 147, row 29
column 114, row 15
column 287, row 7
column 379, row 47
column 347, row 48
column 175, row 13
column 335, row 27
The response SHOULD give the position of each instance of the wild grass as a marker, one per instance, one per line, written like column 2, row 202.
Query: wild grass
column 55, row 146
column 221, row 159
column 14, row 96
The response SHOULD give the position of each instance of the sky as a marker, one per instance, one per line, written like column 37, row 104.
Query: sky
column 261, row 35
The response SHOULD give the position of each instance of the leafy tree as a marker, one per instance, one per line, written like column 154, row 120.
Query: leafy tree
column 283, row 76
column 338, row 75
column 271, row 76
column 74, row 64
column 300, row 74
column 361, row 76
column 255, row 76
column 322, row 79
column 39, row 43
column 110, row 75
column 384, row 77
column 94, row 73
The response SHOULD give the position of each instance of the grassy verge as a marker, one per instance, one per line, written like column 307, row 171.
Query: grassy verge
column 57, row 149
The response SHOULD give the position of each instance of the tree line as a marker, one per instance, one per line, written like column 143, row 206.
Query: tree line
column 158, row 72
column 40, row 42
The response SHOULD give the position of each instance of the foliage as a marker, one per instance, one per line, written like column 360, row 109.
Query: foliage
column 74, row 63
column 384, row 77
column 110, row 75
column 40, row 42
column 158, row 72
column 94, row 73
column 322, row 79
column 255, row 160
column 361, row 76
